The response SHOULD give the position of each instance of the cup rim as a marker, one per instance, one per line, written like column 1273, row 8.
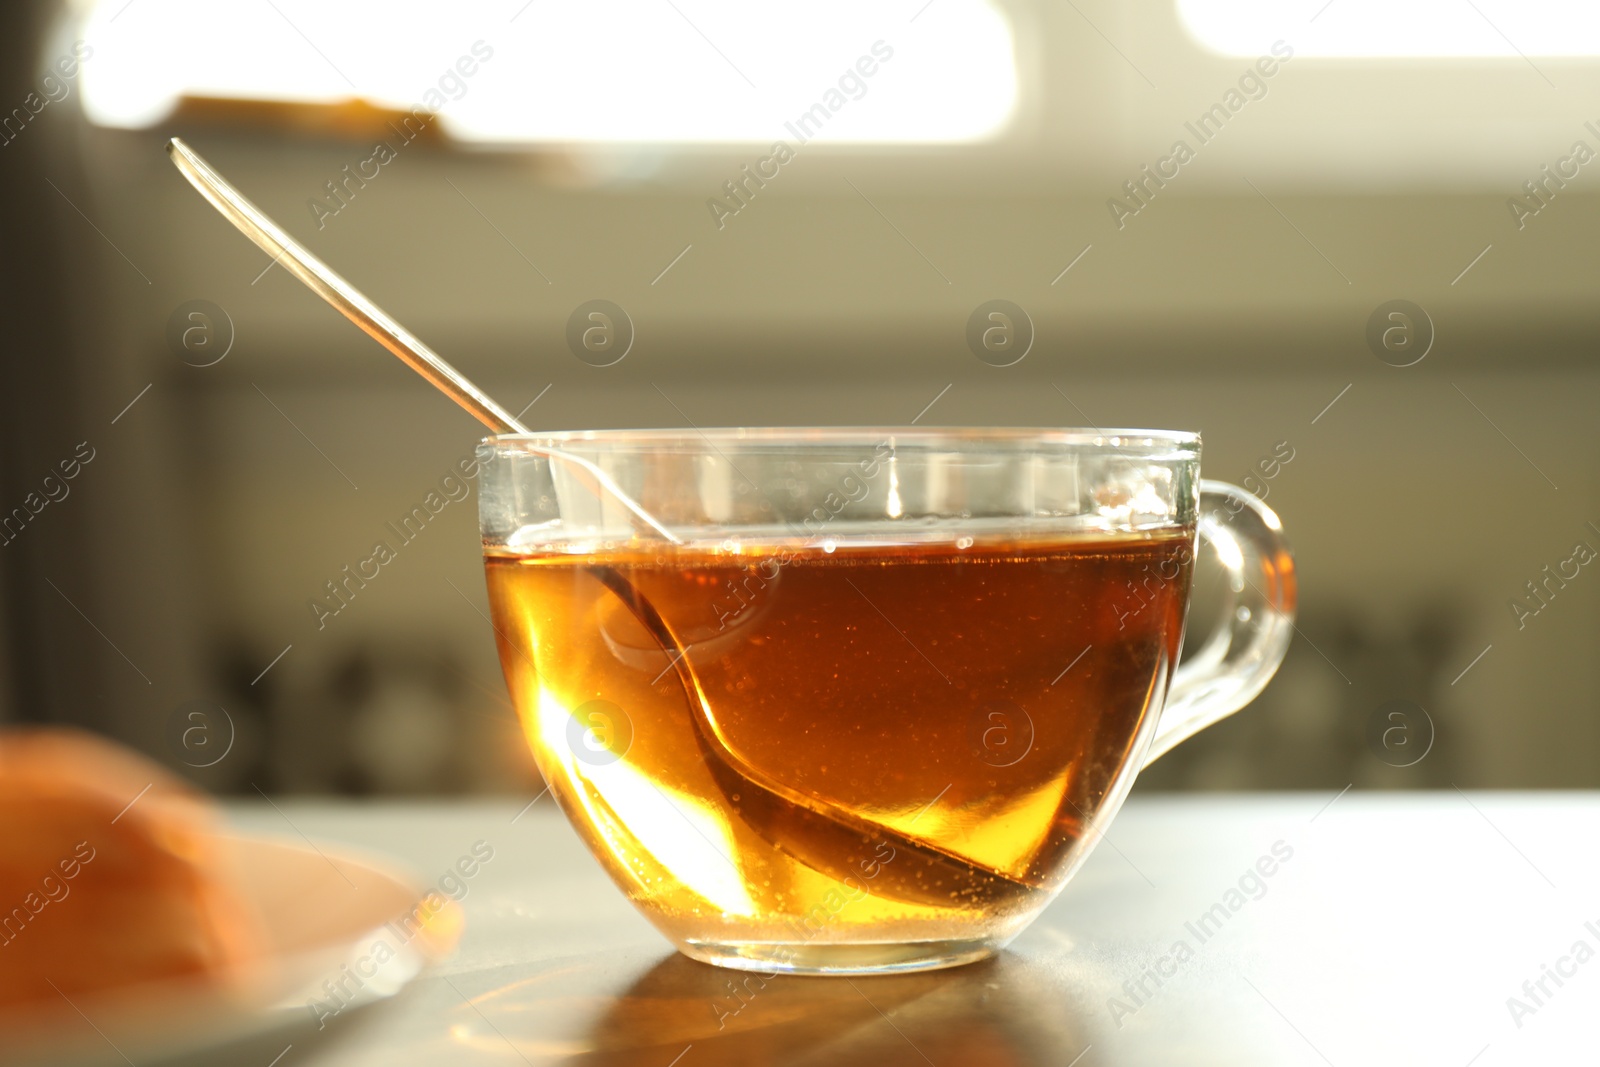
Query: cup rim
column 1142, row 441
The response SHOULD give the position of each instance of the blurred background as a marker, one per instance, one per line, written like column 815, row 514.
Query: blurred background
column 194, row 446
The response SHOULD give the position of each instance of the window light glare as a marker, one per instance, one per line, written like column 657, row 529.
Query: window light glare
column 599, row 71
column 1509, row 29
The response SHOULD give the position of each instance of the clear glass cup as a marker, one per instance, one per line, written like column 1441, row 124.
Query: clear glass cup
column 858, row 700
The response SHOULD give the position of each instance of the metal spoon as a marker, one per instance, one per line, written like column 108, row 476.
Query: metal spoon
column 834, row 841
column 375, row 322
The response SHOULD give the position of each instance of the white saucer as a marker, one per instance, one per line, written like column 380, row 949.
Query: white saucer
column 343, row 933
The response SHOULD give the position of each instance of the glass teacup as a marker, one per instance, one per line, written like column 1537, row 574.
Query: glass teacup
column 858, row 700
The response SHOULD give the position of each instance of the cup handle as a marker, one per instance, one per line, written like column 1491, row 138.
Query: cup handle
column 1257, row 621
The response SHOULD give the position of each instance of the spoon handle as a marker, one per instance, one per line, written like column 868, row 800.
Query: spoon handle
column 376, row 323
column 322, row 279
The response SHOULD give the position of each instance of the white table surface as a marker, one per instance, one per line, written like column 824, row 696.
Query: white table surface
column 1395, row 933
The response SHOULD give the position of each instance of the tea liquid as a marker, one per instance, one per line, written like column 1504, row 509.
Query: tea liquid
column 889, row 737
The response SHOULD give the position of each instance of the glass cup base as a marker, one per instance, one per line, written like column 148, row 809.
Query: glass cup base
column 864, row 957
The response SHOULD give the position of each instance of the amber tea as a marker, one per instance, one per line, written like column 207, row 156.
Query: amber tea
column 835, row 744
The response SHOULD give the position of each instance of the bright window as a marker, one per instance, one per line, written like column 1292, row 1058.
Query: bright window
column 1397, row 28
column 696, row 71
